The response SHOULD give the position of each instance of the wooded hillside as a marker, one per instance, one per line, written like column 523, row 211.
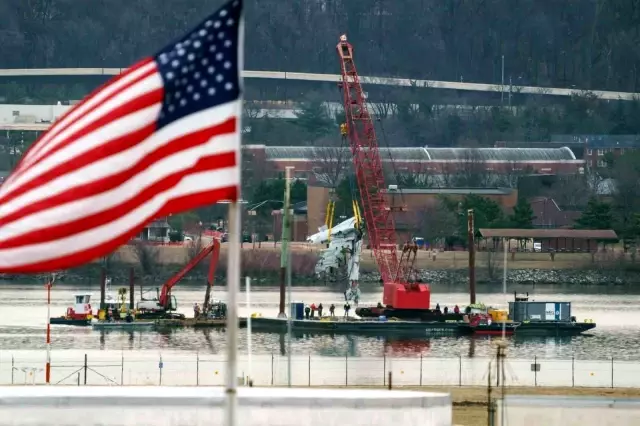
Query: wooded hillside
column 589, row 44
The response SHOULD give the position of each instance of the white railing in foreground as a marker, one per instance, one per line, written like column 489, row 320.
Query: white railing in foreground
column 301, row 76
column 191, row 369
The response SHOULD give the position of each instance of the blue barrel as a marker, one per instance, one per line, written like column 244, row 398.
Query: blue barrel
column 297, row 310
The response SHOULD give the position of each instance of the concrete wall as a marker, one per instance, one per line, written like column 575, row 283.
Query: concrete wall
column 164, row 406
column 567, row 411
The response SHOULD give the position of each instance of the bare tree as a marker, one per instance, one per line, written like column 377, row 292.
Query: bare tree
column 435, row 223
column 490, row 261
column 511, row 175
column 472, row 171
column 570, row 192
column 109, row 262
column 148, row 257
column 194, row 248
column 330, row 163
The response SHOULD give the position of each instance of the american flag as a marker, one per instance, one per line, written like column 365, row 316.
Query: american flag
column 161, row 138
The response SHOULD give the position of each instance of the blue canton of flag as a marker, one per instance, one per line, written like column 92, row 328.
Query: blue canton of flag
column 200, row 70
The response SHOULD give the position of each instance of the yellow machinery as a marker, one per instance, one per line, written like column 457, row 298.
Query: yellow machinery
column 499, row 315
column 356, row 213
column 328, row 220
column 331, row 205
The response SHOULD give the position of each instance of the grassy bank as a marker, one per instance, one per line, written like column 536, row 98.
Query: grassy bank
column 470, row 402
column 155, row 264
column 305, row 255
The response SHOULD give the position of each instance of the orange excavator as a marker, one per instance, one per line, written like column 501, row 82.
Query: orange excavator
column 165, row 304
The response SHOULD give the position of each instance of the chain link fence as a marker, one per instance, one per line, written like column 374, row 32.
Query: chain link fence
column 173, row 369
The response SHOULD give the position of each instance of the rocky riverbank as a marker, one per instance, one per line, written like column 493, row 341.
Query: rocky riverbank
column 528, row 276
column 90, row 275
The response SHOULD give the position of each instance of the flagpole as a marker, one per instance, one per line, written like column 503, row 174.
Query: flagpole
column 234, row 260
column 249, row 349
column 233, row 283
column 47, row 369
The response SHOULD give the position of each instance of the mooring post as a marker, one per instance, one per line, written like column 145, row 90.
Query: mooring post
column 346, row 369
column 611, row 372
column 86, row 367
column 472, row 256
column 103, row 287
column 384, row 369
column 132, row 289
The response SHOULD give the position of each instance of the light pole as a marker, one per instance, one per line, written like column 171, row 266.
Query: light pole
column 284, row 246
column 48, row 365
column 252, row 211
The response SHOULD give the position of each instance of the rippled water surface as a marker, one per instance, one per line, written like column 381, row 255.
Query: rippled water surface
column 23, row 314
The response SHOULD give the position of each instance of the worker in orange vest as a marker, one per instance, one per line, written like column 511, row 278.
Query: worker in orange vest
column 313, row 309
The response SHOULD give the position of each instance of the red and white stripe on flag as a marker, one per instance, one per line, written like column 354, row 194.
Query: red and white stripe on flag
column 145, row 145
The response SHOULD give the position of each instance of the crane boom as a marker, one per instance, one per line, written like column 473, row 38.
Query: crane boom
column 368, row 168
column 378, row 215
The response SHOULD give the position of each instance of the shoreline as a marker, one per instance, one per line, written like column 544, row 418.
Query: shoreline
column 90, row 275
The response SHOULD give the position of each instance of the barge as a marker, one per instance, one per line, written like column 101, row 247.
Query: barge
column 524, row 318
column 199, row 322
column 333, row 325
column 123, row 324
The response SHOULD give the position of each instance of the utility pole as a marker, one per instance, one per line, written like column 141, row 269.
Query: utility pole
column 472, row 256
column 286, row 234
column 510, row 90
column 502, row 84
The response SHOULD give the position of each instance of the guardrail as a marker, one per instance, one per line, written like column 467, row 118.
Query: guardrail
column 334, row 78
column 193, row 369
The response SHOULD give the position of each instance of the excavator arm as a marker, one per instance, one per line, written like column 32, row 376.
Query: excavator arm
column 165, row 293
column 215, row 255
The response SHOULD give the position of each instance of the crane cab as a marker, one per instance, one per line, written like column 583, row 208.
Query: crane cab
column 154, row 306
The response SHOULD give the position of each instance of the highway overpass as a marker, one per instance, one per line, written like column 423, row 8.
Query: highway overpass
column 324, row 78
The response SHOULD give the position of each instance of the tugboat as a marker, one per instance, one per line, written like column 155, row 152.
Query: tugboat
column 79, row 314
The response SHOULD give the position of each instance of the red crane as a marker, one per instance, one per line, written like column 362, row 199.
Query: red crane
column 396, row 272
column 164, row 299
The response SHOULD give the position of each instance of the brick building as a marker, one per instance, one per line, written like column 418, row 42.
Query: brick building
column 591, row 149
column 268, row 161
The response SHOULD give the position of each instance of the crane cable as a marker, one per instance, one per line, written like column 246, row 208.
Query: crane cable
column 411, row 273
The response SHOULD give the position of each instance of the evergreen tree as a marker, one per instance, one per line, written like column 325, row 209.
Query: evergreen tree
column 314, row 120
column 597, row 215
column 522, row 216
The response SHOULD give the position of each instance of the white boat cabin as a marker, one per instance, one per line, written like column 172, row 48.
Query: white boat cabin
column 82, row 304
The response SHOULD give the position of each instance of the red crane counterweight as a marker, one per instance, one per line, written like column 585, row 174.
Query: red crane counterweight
column 396, row 272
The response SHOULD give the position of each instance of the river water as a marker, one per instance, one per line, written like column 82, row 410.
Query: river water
column 23, row 314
